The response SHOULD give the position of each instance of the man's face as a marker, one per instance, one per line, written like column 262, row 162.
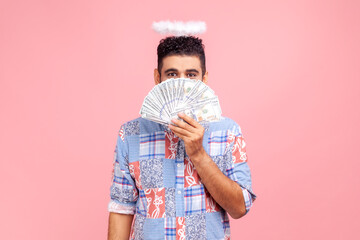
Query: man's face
column 179, row 66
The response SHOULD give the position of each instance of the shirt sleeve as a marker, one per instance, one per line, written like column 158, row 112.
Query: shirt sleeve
column 123, row 192
column 238, row 169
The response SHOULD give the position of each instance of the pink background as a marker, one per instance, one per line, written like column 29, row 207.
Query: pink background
column 72, row 71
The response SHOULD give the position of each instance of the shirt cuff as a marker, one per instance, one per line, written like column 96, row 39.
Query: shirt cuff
column 123, row 208
column 248, row 199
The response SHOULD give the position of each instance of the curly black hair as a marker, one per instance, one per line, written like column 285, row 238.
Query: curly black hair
column 181, row 45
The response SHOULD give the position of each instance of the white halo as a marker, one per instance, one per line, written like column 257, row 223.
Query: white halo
column 179, row 28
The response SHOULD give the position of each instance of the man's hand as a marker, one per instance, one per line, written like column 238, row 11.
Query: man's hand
column 192, row 133
column 227, row 193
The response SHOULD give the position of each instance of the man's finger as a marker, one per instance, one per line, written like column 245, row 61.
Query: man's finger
column 183, row 137
column 189, row 120
column 178, row 130
column 184, row 125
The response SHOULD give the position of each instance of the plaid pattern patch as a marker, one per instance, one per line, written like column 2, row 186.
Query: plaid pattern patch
column 217, row 143
column 194, row 200
column 170, row 228
column 141, row 203
column 152, row 145
column 120, row 177
column 122, row 180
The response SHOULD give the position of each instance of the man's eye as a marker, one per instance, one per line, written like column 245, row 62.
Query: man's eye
column 172, row 74
column 192, row 75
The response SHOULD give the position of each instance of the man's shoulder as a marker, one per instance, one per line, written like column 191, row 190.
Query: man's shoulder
column 134, row 121
column 225, row 124
column 139, row 126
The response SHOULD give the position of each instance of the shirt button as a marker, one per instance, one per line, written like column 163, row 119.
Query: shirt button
column 179, row 165
column 179, row 192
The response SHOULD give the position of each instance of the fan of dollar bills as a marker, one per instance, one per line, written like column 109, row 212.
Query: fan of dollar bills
column 192, row 97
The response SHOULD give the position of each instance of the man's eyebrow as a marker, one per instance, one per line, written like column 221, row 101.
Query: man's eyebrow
column 192, row 70
column 171, row 70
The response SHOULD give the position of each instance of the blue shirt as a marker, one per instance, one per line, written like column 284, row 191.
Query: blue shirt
column 154, row 179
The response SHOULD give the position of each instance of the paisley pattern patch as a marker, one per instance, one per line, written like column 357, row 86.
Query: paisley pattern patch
column 170, row 202
column 195, row 227
column 132, row 128
column 151, row 173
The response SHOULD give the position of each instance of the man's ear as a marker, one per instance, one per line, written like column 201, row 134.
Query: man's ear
column 205, row 77
column 156, row 76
